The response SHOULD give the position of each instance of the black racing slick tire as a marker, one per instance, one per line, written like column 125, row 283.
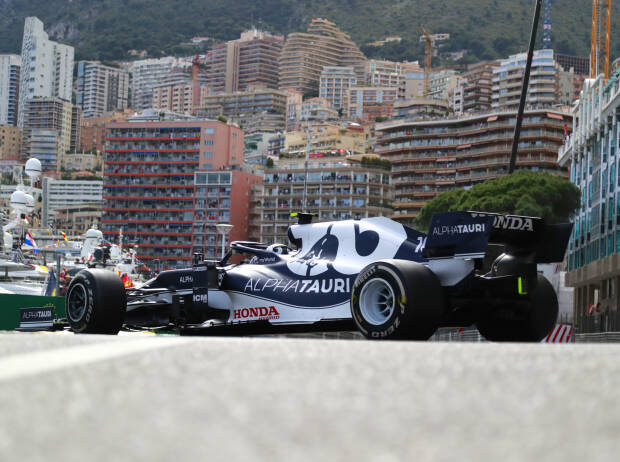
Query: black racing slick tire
column 397, row 300
column 533, row 325
column 96, row 302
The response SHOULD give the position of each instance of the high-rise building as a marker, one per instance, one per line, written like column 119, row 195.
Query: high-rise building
column 478, row 86
column 149, row 186
column 339, row 187
column 46, row 134
column 334, row 86
column 545, row 87
column 92, row 131
column 378, row 73
column 10, row 142
column 175, row 97
column 257, row 111
column 47, row 67
column 441, row 83
column 305, row 54
column 9, row 88
column 147, row 74
column 592, row 156
column 251, row 60
column 101, row 88
column 61, row 194
column 222, row 196
column 367, row 103
column 432, row 156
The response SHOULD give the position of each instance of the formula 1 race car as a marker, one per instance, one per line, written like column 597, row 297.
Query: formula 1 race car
column 375, row 275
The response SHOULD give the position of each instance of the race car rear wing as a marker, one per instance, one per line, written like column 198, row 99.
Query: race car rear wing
column 467, row 234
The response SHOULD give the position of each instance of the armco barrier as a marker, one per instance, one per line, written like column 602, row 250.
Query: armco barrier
column 10, row 304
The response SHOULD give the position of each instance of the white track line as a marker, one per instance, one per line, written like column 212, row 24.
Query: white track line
column 39, row 362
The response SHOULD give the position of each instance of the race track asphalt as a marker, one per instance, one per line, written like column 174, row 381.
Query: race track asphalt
column 139, row 397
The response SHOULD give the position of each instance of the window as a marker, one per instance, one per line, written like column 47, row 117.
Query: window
column 209, row 131
column 207, row 166
column 208, row 142
column 208, row 154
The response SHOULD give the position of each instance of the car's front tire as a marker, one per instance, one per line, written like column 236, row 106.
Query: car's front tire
column 95, row 302
column 397, row 300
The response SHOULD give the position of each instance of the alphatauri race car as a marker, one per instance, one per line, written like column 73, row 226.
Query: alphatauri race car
column 375, row 275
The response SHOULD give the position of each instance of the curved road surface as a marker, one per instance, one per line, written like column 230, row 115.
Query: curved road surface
column 140, row 397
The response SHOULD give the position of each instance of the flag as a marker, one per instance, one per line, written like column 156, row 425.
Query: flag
column 64, row 236
column 30, row 241
column 52, row 285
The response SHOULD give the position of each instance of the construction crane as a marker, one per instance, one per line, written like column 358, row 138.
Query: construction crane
column 427, row 60
column 601, row 25
column 546, row 37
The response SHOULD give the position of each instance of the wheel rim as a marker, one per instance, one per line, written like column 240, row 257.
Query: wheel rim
column 377, row 301
column 76, row 302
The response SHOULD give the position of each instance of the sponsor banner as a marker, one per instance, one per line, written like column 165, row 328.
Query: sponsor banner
column 509, row 222
column 561, row 333
column 37, row 318
column 458, row 234
column 251, row 308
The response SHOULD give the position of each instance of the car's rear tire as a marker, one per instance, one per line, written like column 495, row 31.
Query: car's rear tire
column 397, row 300
column 96, row 302
column 531, row 326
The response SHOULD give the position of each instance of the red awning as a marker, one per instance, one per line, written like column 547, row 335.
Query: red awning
column 492, row 118
column 551, row 115
column 464, row 146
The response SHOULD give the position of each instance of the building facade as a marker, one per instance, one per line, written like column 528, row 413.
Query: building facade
column 258, row 110
column 432, row 156
column 47, row 70
column 251, row 60
column 149, row 185
column 367, row 103
column 92, row 130
column 10, row 142
column 101, row 89
column 63, row 194
column 221, row 197
column 334, row 86
column 47, row 124
column 10, row 66
column 592, row 156
column 306, row 53
column 545, row 87
column 339, row 187
column 147, row 74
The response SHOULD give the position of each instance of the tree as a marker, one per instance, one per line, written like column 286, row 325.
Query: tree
column 524, row 192
column 269, row 162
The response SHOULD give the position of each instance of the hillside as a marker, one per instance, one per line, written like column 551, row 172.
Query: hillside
column 107, row 29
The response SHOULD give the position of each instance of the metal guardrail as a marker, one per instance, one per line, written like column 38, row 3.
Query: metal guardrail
column 598, row 337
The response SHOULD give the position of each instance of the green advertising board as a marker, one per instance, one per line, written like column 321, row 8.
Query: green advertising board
column 11, row 304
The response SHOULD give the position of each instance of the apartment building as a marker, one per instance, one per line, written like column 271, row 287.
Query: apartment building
column 251, row 60
column 47, row 67
column 47, row 130
column 339, row 187
column 10, row 66
column 149, row 182
column 92, row 130
column 545, row 87
column 441, row 83
column 477, row 87
column 367, row 103
column 305, row 54
column 326, row 137
column 221, row 197
column 316, row 109
column 10, row 142
column 379, row 73
column 177, row 97
column 101, row 89
column 592, row 156
column 334, row 86
column 64, row 194
column 258, row 110
column 147, row 74
column 432, row 156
